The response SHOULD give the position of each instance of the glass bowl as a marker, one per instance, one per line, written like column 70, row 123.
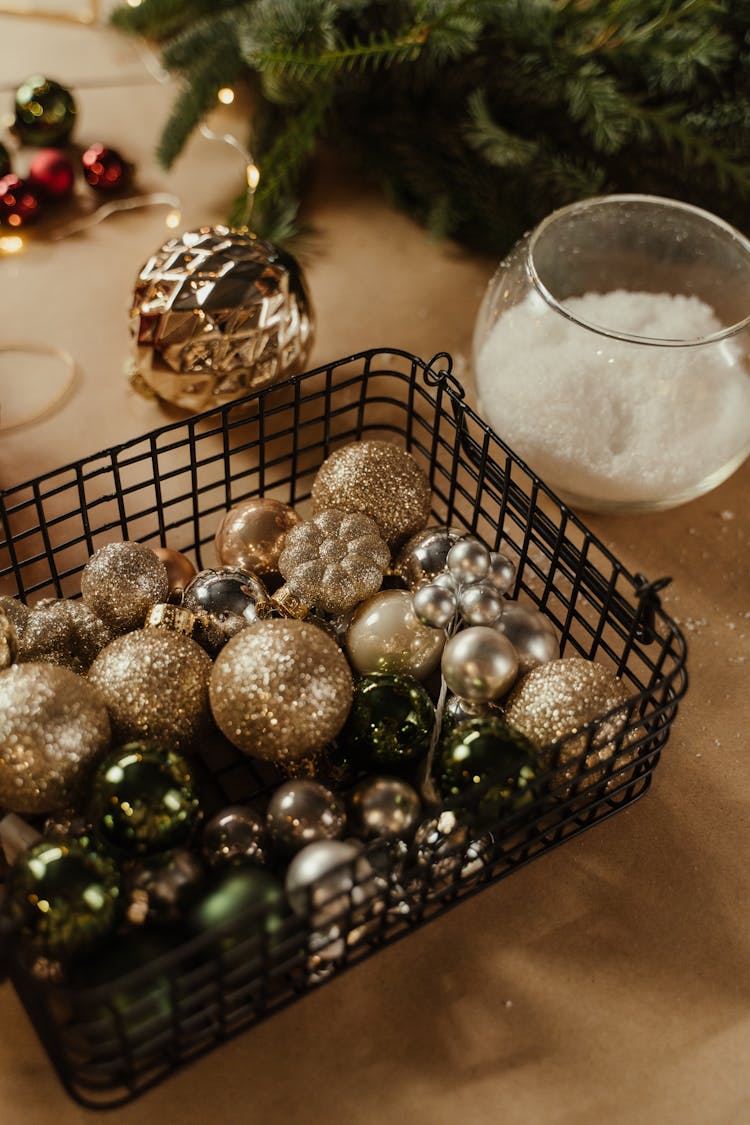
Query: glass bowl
column 611, row 352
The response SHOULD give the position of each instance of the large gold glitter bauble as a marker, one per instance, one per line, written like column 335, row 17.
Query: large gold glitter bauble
column 52, row 728
column 16, row 611
column 280, row 690
column 557, row 699
column 121, row 582
column 63, row 632
column 251, row 535
column 8, row 640
column 218, row 313
column 154, row 683
column 335, row 560
column 377, row 478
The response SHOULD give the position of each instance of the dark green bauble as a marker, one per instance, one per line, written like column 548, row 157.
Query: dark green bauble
column 489, row 764
column 241, row 902
column 4, row 160
column 390, row 723
column 63, row 897
column 45, row 112
column 143, row 799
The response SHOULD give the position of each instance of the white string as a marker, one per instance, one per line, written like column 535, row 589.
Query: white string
column 131, row 203
column 56, row 400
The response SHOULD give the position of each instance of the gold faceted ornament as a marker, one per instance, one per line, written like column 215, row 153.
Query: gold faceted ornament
column 559, row 698
column 218, row 313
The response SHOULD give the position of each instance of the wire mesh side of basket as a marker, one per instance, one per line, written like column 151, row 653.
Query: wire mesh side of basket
column 172, row 487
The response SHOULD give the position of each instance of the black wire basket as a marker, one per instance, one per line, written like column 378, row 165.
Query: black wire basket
column 111, row 1041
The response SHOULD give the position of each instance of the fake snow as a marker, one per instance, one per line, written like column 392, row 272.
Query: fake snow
column 611, row 420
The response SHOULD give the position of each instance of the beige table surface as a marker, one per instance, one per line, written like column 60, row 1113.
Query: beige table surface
column 608, row 982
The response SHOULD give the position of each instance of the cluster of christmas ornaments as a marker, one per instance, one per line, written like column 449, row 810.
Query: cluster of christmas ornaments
column 375, row 661
column 45, row 115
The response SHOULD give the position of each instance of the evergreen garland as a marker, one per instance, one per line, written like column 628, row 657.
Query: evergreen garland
column 477, row 116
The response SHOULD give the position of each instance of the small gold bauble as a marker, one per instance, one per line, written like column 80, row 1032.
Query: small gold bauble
column 180, row 570
column 17, row 611
column 120, row 583
column 154, row 683
column 280, row 690
column 557, row 699
column 251, row 535
column 52, row 727
column 377, row 478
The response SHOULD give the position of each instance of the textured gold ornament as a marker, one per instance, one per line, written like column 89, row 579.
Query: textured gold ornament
column 121, row 582
column 63, row 632
column 154, row 683
column 379, row 479
column 217, row 313
column 334, row 560
column 8, row 640
column 52, row 727
column 557, row 699
column 280, row 690
column 251, row 535
column 17, row 611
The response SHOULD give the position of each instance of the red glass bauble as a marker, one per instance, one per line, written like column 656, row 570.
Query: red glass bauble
column 19, row 201
column 104, row 168
column 52, row 173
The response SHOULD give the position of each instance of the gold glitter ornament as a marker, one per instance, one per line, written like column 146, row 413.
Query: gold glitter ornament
column 251, row 535
column 379, row 479
column 557, row 699
column 8, row 640
column 16, row 611
column 52, row 728
column 63, row 632
column 217, row 313
column 280, row 690
column 154, row 683
column 335, row 560
column 121, row 582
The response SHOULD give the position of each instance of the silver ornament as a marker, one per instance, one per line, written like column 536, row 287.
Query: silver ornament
column 303, row 811
column 444, row 855
column 121, row 581
column 235, row 836
column 434, row 605
column 501, row 572
column 327, row 879
column 224, row 601
column 159, row 888
column 532, row 635
column 383, row 808
column 425, row 554
column 477, row 667
column 480, row 604
column 385, row 636
column 217, row 313
column 459, row 709
column 446, row 581
column 468, row 560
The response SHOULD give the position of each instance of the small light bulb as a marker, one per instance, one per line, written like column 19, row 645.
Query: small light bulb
column 173, row 219
column 226, row 95
column 11, row 244
column 134, row 3
column 253, row 176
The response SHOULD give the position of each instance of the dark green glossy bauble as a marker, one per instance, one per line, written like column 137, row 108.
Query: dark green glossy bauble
column 142, row 799
column 241, row 902
column 45, row 112
column 490, row 764
column 63, row 897
column 390, row 723
column 4, row 160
